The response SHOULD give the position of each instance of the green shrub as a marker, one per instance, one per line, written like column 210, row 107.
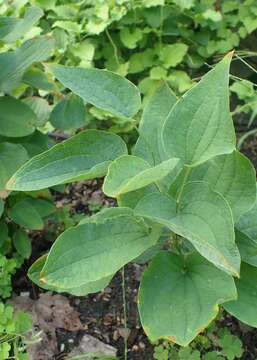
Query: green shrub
column 184, row 175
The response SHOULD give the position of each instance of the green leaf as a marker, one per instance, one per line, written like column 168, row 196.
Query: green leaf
column 26, row 215
column 93, row 287
column 149, row 143
column 92, row 251
column 199, row 125
column 1, row 207
column 42, row 206
column 23, row 324
column 244, row 308
column 16, row 118
column 203, row 217
column 179, row 297
column 12, row 156
column 233, row 176
column 69, row 113
column 83, row 156
column 107, row 214
column 39, row 80
column 40, row 107
column 247, row 223
column 101, row 88
column 132, row 198
column 171, row 55
column 129, row 173
column 14, row 63
column 130, row 38
column 247, row 247
column 22, row 243
column 11, row 29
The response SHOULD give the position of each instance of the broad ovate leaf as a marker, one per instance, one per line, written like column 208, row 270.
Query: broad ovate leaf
column 26, row 215
column 92, row 287
column 12, row 156
column 129, row 173
column 95, row 250
column 233, row 176
column 16, row 118
column 199, row 126
column 83, row 156
column 69, row 113
column 244, row 307
column 14, row 63
column 180, row 296
column 101, row 88
column 149, row 144
column 203, row 217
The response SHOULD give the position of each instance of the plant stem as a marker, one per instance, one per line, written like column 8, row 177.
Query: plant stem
column 125, row 313
column 187, row 173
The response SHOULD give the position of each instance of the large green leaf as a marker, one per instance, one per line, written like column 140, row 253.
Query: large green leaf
column 92, row 251
column 203, row 217
column 92, row 287
column 12, row 156
column 25, row 214
column 244, row 308
column 149, row 143
column 14, row 63
column 233, row 176
column 69, row 113
column 16, row 118
column 11, row 29
column 179, row 296
column 104, row 89
column 84, row 156
column 129, row 173
column 199, row 125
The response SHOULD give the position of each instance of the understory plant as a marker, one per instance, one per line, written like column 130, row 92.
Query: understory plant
column 186, row 204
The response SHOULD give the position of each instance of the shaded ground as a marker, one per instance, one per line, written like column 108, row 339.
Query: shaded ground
column 103, row 313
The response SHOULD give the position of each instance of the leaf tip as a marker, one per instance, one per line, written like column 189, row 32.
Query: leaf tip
column 10, row 183
column 229, row 55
